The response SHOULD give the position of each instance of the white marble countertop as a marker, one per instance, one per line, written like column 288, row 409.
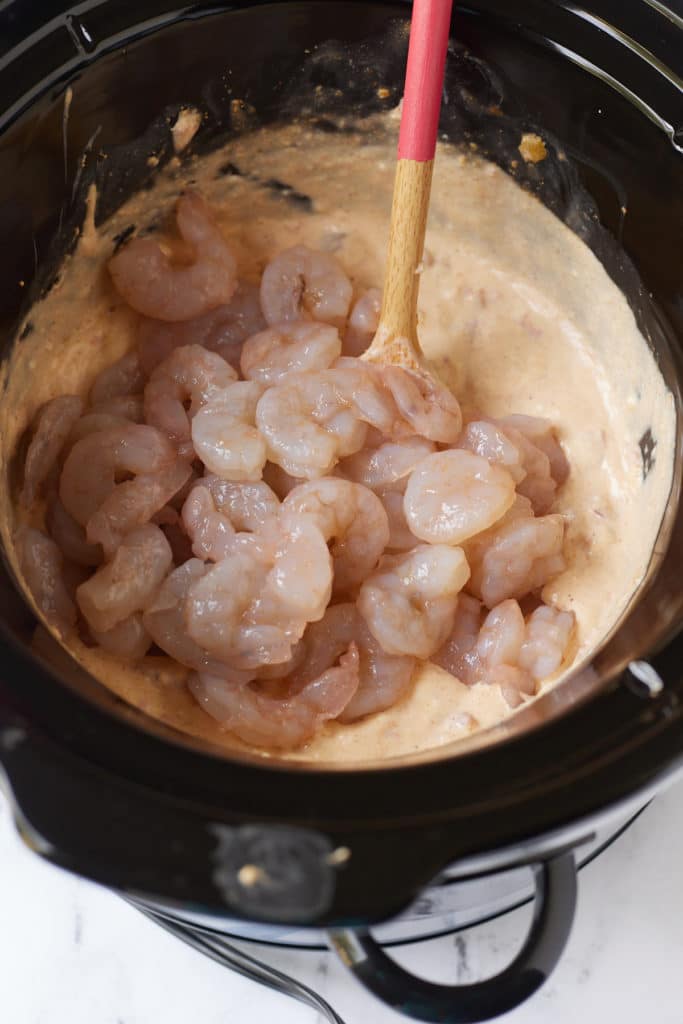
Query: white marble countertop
column 73, row 953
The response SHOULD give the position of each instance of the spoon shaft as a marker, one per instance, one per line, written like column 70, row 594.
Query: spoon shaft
column 410, row 205
column 429, row 32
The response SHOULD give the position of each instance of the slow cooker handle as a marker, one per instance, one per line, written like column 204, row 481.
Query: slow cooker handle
column 555, row 901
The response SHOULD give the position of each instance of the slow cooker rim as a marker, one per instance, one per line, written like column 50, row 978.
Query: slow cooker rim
column 646, row 720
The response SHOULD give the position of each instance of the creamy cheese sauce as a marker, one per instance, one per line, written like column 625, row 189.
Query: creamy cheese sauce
column 515, row 312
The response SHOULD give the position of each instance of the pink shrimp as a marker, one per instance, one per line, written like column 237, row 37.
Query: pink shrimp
column 133, row 503
column 215, row 509
column 54, row 423
column 127, row 583
column 301, row 284
column 253, row 606
column 383, row 678
column 132, row 448
column 516, row 558
column 190, row 374
column 282, row 721
column 430, row 409
column 153, row 285
column 289, row 348
column 353, row 517
column 42, row 565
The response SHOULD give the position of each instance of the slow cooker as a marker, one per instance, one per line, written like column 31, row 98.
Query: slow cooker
column 233, row 844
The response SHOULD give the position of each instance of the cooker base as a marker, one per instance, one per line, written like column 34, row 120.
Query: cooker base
column 473, row 901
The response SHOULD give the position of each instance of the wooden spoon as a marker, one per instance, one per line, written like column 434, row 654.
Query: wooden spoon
column 396, row 339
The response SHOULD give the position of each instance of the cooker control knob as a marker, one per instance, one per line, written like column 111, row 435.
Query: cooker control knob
column 276, row 872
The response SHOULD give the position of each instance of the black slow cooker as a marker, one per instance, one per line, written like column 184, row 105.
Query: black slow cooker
column 197, row 835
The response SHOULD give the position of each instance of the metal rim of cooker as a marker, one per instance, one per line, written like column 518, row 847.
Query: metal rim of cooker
column 134, row 789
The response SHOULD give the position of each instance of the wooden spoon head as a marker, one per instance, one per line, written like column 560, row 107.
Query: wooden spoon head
column 396, row 350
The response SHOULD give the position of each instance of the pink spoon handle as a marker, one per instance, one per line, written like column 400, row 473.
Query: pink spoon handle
column 429, row 31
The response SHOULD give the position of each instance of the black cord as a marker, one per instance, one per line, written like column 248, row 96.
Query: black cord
column 224, row 953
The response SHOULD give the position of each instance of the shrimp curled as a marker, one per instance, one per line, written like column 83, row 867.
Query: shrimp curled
column 455, row 494
column 279, row 721
column 351, row 515
column 225, row 436
column 191, row 373
column 409, row 602
column 149, row 282
column 253, row 606
column 301, row 284
column 127, row 583
column 131, row 448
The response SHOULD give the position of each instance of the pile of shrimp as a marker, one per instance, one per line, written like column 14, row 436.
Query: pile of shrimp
column 296, row 526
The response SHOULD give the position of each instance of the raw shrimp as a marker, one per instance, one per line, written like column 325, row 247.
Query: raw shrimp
column 459, row 654
column 248, row 506
column 190, row 374
column 501, row 636
column 164, row 618
column 543, row 435
column 69, row 536
column 362, row 386
column 300, row 284
column 363, row 322
column 93, row 464
column 427, row 406
column 506, row 651
column 224, row 434
column 383, row 678
column 388, row 465
column 516, row 558
column 148, row 279
column 215, row 509
column 123, row 377
column 128, row 639
column 287, row 348
column 409, row 603
column 133, row 503
column 283, row 721
column 253, row 606
column 126, row 407
column 488, row 440
column 219, row 603
column 308, row 423
column 54, row 423
column 210, row 532
column 502, row 442
column 127, row 583
column 454, row 495
column 547, row 640
column 222, row 330
column 353, row 517
column 42, row 565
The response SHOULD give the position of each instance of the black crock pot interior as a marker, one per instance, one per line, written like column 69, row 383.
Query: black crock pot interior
column 548, row 67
